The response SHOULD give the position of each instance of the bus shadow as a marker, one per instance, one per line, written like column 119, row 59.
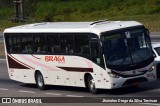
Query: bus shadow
column 29, row 85
column 133, row 89
column 123, row 91
column 119, row 91
column 56, row 87
column 67, row 88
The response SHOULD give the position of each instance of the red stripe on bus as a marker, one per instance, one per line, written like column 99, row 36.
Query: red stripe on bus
column 14, row 64
column 77, row 69
column 35, row 57
column 21, row 63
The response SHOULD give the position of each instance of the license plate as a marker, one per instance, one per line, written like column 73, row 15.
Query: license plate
column 150, row 75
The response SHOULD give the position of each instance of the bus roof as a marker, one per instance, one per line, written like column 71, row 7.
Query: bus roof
column 69, row 27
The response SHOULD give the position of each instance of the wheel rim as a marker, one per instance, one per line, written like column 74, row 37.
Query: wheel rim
column 92, row 85
column 40, row 80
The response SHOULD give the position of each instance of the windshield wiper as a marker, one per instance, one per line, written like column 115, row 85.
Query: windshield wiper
column 123, row 60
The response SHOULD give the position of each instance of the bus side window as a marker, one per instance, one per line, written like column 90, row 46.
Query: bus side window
column 67, row 44
column 40, row 44
column 53, row 43
column 16, row 44
column 8, row 38
column 27, row 43
column 82, row 45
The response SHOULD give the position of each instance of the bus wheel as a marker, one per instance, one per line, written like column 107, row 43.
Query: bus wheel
column 91, row 85
column 40, row 81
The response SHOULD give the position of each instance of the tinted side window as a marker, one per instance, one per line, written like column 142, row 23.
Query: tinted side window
column 16, row 43
column 27, row 43
column 40, row 44
column 82, row 44
column 8, row 38
column 54, row 45
column 67, row 43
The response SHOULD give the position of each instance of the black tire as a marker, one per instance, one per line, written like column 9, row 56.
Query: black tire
column 91, row 85
column 40, row 81
column 158, row 71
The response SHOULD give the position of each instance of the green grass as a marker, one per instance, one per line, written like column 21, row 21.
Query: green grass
column 144, row 11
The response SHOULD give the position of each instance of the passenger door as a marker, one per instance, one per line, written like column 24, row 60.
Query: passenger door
column 97, row 63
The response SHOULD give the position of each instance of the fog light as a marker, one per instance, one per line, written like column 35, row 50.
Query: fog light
column 152, row 68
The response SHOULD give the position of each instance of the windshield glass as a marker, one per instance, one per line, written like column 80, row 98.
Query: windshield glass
column 126, row 47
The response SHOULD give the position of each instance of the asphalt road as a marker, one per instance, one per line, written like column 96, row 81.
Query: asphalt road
column 9, row 88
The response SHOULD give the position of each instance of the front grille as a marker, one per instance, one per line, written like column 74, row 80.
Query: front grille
column 125, row 74
column 134, row 81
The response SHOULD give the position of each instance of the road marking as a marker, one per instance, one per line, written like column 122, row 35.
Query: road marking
column 26, row 91
column 2, row 59
column 74, row 96
column 152, row 104
column 4, row 89
column 53, row 94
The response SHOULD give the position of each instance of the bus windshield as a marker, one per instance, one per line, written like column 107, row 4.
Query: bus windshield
column 127, row 48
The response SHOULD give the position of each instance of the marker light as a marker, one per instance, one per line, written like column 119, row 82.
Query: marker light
column 113, row 75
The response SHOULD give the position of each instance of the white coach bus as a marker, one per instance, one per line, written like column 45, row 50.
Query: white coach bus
column 96, row 55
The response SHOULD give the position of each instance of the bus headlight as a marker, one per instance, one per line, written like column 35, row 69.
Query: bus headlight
column 113, row 75
column 152, row 68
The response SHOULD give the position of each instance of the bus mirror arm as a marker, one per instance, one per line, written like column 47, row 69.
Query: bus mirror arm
column 101, row 50
column 147, row 31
